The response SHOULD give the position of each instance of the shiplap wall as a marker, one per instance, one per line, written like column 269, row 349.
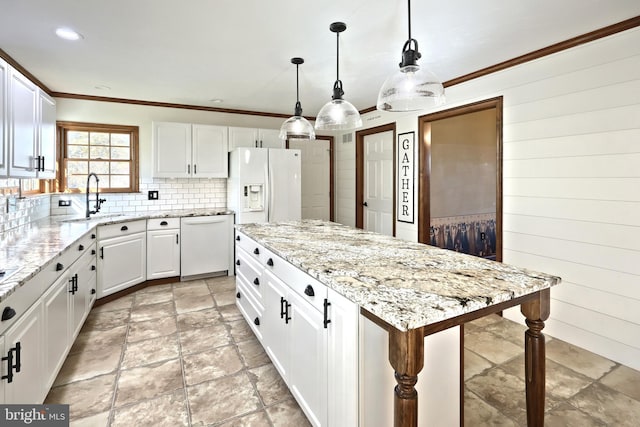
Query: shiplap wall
column 571, row 185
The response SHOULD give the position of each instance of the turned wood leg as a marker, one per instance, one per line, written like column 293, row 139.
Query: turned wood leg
column 406, row 354
column 536, row 312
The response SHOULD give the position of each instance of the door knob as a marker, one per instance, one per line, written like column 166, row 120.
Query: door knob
column 365, row 204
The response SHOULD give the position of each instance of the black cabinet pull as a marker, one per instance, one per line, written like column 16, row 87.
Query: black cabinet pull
column 59, row 266
column 287, row 306
column 93, row 236
column 326, row 320
column 81, row 247
column 93, row 291
column 238, row 262
column 8, row 313
column 74, row 284
column 309, row 291
column 238, row 295
column 189, row 169
column 282, row 301
column 256, row 281
column 256, row 251
column 164, row 223
column 256, row 321
column 93, row 251
column 177, row 239
column 10, row 365
column 18, row 364
column 195, row 169
column 270, row 262
column 42, row 165
column 93, row 267
column 124, row 228
column 238, row 238
column 102, row 252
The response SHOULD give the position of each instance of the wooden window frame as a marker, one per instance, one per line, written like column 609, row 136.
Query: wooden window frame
column 63, row 127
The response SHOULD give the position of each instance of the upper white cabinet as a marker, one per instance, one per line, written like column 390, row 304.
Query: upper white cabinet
column 31, row 134
column 251, row 137
column 185, row 150
column 4, row 119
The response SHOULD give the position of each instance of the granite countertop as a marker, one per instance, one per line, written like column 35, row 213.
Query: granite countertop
column 406, row 284
column 26, row 250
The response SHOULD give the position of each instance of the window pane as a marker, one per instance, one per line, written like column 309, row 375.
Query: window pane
column 120, row 153
column 120, row 168
column 77, row 151
column 76, row 137
column 100, row 152
column 76, row 181
column 122, row 139
column 119, row 181
column 99, row 138
column 100, row 168
column 77, row 168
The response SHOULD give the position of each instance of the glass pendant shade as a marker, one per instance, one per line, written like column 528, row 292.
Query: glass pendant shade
column 297, row 127
column 410, row 88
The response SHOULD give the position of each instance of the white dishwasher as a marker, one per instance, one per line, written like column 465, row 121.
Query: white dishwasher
column 206, row 246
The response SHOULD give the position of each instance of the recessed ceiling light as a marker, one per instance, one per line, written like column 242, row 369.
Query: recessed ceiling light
column 216, row 100
column 68, row 34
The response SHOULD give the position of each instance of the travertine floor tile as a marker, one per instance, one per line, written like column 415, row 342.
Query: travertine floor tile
column 88, row 364
column 202, row 339
column 212, row 364
column 165, row 287
column 150, row 351
column 508, row 330
column 96, row 340
column 146, row 298
column 624, row 380
column 230, row 313
column 578, row 359
column 253, row 353
column 257, row 419
column 103, row 320
column 491, row 347
column 124, row 302
column 479, row 413
column 147, row 382
column 225, row 298
column 164, row 411
column 198, row 319
column 218, row 400
column 566, row 415
column 142, row 313
column 609, row 406
column 269, row 383
column 85, row 398
column 98, row 420
column 221, row 284
column 485, row 321
column 240, row 330
column 192, row 288
column 474, row 364
column 189, row 303
column 139, row 331
column 287, row 414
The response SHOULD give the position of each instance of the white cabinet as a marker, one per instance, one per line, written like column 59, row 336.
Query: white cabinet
column 122, row 256
column 57, row 312
column 163, row 248
column 46, row 145
column 22, row 371
column 82, row 292
column 23, row 126
column 184, row 150
column 4, row 119
column 251, row 137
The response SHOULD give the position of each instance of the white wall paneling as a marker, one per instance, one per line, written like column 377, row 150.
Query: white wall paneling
column 570, row 186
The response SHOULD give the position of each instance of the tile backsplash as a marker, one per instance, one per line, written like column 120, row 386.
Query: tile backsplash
column 180, row 193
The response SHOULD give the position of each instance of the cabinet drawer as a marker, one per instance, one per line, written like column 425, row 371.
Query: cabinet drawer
column 121, row 229
column 250, row 271
column 300, row 282
column 163, row 223
column 250, row 246
column 250, row 309
column 20, row 301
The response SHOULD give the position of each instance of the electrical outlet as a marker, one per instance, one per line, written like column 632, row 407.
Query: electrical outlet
column 153, row 195
column 64, row 203
column 483, row 236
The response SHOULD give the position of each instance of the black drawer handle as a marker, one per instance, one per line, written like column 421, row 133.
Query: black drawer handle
column 124, row 228
column 8, row 313
column 309, row 291
column 81, row 247
column 326, row 320
column 93, row 267
column 93, row 236
column 93, row 291
column 238, row 295
column 238, row 262
column 164, row 223
column 238, row 238
column 256, row 251
column 256, row 321
column 270, row 262
column 59, row 267
column 256, row 281
column 93, row 251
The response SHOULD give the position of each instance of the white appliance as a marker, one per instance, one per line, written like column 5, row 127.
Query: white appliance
column 206, row 246
column 264, row 185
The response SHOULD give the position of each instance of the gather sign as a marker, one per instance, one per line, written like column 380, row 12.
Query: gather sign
column 406, row 164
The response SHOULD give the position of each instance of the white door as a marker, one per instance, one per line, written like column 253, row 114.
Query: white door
column 210, row 151
column 378, row 183
column 284, row 192
column 316, row 184
column 23, row 126
column 171, row 150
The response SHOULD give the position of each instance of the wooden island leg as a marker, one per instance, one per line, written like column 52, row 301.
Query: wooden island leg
column 406, row 354
column 536, row 312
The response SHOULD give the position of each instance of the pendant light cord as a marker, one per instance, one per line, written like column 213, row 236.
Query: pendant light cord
column 409, row 17
column 337, row 56
column 297, row 85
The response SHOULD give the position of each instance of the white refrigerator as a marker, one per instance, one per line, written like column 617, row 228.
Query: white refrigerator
column 264, row 185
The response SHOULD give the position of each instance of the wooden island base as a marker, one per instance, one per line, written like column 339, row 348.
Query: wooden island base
column 406, row 355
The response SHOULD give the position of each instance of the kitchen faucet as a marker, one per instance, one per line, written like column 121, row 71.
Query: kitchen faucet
column 99, row 201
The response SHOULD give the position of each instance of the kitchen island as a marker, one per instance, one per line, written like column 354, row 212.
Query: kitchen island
column 412, row 291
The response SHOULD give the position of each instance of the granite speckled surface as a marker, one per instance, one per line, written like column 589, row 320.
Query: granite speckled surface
column 406, row 284
column 26, row 250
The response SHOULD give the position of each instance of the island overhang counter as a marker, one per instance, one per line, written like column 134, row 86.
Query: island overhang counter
column 414, row 290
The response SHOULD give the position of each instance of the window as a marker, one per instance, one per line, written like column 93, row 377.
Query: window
column 109, row 151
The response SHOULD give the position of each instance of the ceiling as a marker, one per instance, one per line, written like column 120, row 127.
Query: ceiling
column 194, row 51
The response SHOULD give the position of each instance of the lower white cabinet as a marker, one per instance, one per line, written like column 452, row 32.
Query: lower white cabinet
column 122, row 256
column 22, row 370
column 82, row 292
column 57, row 313
column 163, row 248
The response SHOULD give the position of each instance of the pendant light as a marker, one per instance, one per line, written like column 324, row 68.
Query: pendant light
column 338, row 114
column 297, row 127
column 411, row 87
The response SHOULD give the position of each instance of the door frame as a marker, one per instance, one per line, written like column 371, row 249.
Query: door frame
column 360, row 171
column 331, row 172
column 424, row 164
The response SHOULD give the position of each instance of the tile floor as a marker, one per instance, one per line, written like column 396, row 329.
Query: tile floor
column 182, row 355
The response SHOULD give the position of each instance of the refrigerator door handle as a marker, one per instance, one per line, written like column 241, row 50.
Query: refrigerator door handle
column 268, row 182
